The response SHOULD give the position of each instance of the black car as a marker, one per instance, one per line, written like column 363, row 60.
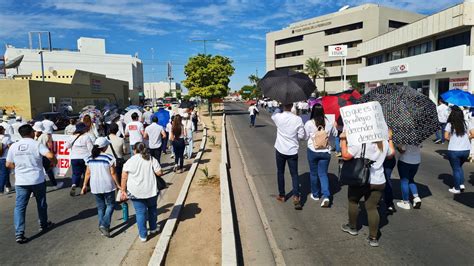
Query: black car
column 61, row 120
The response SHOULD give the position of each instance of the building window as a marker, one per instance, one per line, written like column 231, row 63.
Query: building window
column 374, row 60
column 349, row 44
column 420, row 49
column 295, row 67
column 329, row 79
column 289, row 40
column 396, row 24
column 422, row 86
column 395, row 55
column 345, row 28
column 352, row 61
column 289, row 54
column 454, row 40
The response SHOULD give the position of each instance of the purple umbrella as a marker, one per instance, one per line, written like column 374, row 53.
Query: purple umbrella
column 313, row 101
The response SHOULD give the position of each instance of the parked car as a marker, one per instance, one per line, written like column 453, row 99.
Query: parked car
column 61, row 120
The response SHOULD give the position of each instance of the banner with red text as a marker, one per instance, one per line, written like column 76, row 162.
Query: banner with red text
column 62, row 154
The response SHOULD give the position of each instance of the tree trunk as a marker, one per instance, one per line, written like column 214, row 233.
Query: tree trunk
column 209, row 108
column 324, row 85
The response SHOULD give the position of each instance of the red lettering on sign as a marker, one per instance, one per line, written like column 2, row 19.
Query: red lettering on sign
column 63, row 163
column 59, row 148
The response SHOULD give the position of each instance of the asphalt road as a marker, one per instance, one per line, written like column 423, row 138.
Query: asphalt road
column 440, row 233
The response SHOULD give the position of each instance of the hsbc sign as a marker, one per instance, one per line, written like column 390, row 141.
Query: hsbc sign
column 403, row 68
column 337, row 50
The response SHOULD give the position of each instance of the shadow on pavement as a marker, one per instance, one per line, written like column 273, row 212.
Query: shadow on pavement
column 305, row 186
column 471, row 178
column 443, row 153
column 448, row 179
column 423, row 190
column 123, row 226
column 466, row 198
column 189, row 211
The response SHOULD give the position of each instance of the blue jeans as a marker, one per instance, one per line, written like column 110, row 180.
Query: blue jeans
column 440, row 132
column 407, row 174
column 252, row 120
column 78, row 170
column 281, row 160
column 337, row 142
column 4, row 175
column 105, row 207
column 145, row 210
column 318, row 167
column 22, row 197
column 456, row 160
column 179, row 146
column 388, row 166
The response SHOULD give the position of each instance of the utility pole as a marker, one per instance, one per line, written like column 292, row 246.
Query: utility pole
column 204, row 42
column 42, row 64
column 153, row 92
column 170, row 77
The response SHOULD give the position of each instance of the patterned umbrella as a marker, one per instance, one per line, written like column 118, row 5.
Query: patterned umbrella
column 95, row 114
column 411, row 115
column 333, row 103
column 286, row 86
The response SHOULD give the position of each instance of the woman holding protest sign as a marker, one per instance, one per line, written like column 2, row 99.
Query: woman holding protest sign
column 318, row 131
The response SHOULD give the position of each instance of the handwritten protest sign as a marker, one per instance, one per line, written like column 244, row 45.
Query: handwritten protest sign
column 364, row 123
column 62, row 154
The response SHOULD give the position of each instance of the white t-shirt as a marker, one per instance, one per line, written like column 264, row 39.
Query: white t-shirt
column 154, row 132
column 8, row 128
column 5, row 140
column 82, row 147
column 27, row 154
column 121, row 132
column 16, row 126
column 290, row 130
column 373, row 153
column 101, row 181
column 134, row 129
column 141, row 181
column 310, row 128
column 443, row 113
column 253, row 110
column 49, row 126
column 69, row 130
column 412, row 155
column 459, row 143
column 147, row 117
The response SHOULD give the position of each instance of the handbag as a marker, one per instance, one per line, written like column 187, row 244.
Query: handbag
column 356, row 172
column 160, row 182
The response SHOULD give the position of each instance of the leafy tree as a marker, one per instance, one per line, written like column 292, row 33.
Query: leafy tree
column 208, row 76
column 355, row 84
column 315, row 69
column 254, row 79
column 178, row 95
column 186, row 97
column 247, row 92
column 167, row 94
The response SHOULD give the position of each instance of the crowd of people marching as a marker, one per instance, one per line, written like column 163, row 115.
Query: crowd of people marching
column 323, row 136
column 99, row 164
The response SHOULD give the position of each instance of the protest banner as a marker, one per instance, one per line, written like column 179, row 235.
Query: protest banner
column 364, row 123
column 62, row 154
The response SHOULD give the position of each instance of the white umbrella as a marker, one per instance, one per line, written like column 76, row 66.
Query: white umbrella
column 128, row 116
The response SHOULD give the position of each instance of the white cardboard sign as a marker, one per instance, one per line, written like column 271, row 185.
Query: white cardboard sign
column 62, row 154
column 364, row 123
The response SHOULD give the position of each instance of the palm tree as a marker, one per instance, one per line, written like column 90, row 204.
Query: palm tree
column 315, row 69
column 254, row 79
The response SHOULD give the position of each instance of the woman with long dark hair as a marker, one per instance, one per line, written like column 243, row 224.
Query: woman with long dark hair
column 91, row 127
column 459, row 134
column 103, row 182
column 318, row 131
column 139, row 184
column 177, row 135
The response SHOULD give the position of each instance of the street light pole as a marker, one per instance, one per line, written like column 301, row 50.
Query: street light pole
column 204, row 42
column 42, row 64
column 153, row 92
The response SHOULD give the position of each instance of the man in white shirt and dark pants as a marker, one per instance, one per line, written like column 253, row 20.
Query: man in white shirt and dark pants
column 155, row 134
column 290, row 129
column 49, row 125
column 25, row 156
column 253, row 112
column 443, row 113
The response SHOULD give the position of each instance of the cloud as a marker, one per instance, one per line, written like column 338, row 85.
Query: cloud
column 144, row 29
column 222, row 46
column 256, row 37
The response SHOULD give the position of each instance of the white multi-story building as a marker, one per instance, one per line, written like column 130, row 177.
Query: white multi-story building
column 432, row 55
column 292, row 46
column 158, row 89
column 90, row 56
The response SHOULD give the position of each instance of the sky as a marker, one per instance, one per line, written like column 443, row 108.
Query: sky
column 161, row 31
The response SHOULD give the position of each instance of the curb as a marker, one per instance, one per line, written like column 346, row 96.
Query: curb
column 229, row 251
column 161, row 247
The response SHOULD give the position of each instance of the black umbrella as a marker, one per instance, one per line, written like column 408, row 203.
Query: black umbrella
column 411, row 115
column 286, row 86
column 186, row 104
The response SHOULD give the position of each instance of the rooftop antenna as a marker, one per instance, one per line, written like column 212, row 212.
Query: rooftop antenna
column 344, row 8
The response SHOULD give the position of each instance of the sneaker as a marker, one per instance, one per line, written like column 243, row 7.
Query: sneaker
column 348, row 229
column 416, row 203
column 403, row 205
column 21, row 239
column 175, row 168
column 437, row 141
column 143, row 239
column 454, row 191
column 181, row 170
column 152, row 232
column 373, row 242
column 314, row 198
column 46, row 227
column 7, row 190
column 172, row 156
column 281, row 198
column 391, row 208
column 325, row 203
column 104, row 231
column 59, row 185
column 338, row 154
column 297, row 203
column 72, row 193
column 461, row 187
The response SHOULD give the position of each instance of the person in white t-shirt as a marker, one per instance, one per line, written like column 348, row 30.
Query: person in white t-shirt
column 49, row 125
column 8, row 128
column 18, row 123
column 103, row 182
column 80, row 147
column 69, row 130
column 134, row 130
column 443, row 113
column 5, row 143
column 459, row 134
column 408, row 163
column 253, row 112
column 290, row 129
column 155, row 134
column 377, row 152
column 147, row 116
column 45, row 137
column 25, row 157
column 139, row 184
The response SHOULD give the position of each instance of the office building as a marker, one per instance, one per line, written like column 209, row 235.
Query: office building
column 90, row 56
column 158, row 89
column 292, row 46
column 432, row 55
